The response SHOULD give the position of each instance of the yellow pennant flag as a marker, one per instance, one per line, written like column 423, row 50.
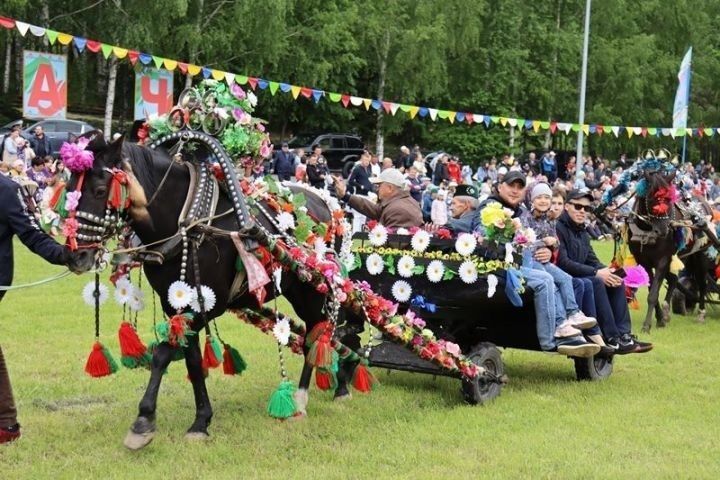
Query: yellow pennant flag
column 64, row 38
column 217, row 74
column 414, row 111
column 194, row 69
column 295, row 91
column 503, row 121
column 586, row 129
column 367, row 102
column 122, row 53
column 451, row 117
column 536, row 125
column 629, row 131
column 170, row 64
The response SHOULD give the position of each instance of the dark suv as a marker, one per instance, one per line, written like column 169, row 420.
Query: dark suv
column 341, row 150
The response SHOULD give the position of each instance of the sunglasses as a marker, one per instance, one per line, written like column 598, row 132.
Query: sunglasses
column 578, row 207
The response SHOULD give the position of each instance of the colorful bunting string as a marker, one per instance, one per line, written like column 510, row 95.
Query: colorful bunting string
column 390, row 108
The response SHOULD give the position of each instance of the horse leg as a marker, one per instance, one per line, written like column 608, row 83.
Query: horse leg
column 203, row 410
column 142, row 430
column 301, row 395
column 657, row 278
column 346, row 369
column 701, row 279
column 672, row 280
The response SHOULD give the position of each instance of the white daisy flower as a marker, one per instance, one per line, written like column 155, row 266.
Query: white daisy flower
column 180, row 294
column 374, row 264
column 281, row 331
column 209, row 298
column 378, row 236
column 465, row 244
column 137, row 300
column 420, row 241
column 221, row 112
column 252, row 98
column 401, row 290
column 88, row 294
column 286, row 221
column 435, row 271
column 509, row 253
column 468, row 272
column 405, row 266
column 320, row 247
column 531, row 235
column 492, row 285
column 403, row 231
column 123, row 290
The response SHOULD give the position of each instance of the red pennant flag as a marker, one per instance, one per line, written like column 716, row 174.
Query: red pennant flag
column 7, row 22
column 183, row 67
column 469, row 118
column 253, row 82
column 387, row 106
column 600, row 129
column 94, row 46
column 553, row 127
column 700, row 132
column 306, row 92
column 133, row 56
column 345, row 99
column 643, row 132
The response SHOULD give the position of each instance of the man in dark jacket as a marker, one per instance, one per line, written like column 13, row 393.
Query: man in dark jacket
column 40, row 143
column 359, row 179
column 15, row 219
column 284, row 161
column 441, row 173
column 395, row 208
column 576, row 257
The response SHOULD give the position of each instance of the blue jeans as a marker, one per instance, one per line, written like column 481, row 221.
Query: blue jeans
column 585, row 297
column 564, row 283
column 613, row 314
column 545, row 298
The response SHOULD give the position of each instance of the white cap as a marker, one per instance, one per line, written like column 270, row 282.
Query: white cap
column 391, row 176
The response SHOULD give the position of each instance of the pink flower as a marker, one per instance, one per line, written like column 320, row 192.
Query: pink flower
column 413, row 230
column 341, row 296
column 499, row 224
column 322, row 288
column 75, row 157
column 452, row 348
column 70, row 227
column 260, row 127
column 419, row 323
column 237, row 91
column 71, row 201
column 417, row 340
column 265, row 150
column 393, row 329
column 238, row 114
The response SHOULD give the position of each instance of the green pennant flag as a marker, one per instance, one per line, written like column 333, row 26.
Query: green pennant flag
column 334, row 97
column 158, row 60
column 494, row 119
column 52, row 36
column 405, row 108
column 444, row 114
column 709, row 132
column 652, row 131
column 544, row 125
column 241, row 79
column 274, row 87
column 575, row 127
column 521, row 123
column 106, row 49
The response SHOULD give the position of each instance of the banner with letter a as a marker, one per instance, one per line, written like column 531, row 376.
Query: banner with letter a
column 153, row 93
column 44, row 85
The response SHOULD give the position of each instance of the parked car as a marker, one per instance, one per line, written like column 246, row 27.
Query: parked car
column 339, row 149
column 58, row 131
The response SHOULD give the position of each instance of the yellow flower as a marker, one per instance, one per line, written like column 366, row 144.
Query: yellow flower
column 492, row 214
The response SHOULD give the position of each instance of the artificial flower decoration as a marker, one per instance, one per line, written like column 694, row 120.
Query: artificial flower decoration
column 468, row 272
column 137, row 300
column 435, row 271
column 402, row 291
column 180, row 294
column 636, row 277
column 209, row 298
column 286, row 221
column 72, row 199
column 403, row 231
column 498, row 223
column 405, row 266
column 374, row 264
column 465, row 244
column 420, row 241
column 281, row 331
column 320, row 247
column 123, row 290
column 509, row 250
column 75, row 157
column 453, row 349
column 88, row 294
column 378, row 236
column 492, row 281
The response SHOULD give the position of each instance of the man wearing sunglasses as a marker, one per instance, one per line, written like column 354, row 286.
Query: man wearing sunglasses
column 576, row 257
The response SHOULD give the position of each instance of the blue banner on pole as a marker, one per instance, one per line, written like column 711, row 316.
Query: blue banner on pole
column 682, row 97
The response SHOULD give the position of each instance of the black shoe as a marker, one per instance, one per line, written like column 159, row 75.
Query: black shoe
column 606, row 351
column 577, row 347
column 640, row 347
column 621, row 347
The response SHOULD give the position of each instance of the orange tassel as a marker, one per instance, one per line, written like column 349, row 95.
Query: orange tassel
column 130, row 343
column 209, row 358
column 363, row 380
column 323, row 379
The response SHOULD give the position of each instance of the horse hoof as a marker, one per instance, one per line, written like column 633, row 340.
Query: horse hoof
column 343, row 398
column 645, row 329
column 666, row 313
column 196, row 436
column 299, row 416
column 135, row 441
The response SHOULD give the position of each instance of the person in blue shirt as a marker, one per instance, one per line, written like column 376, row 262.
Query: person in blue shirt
column 284, row 163
column 463, row 209
column 548, row 166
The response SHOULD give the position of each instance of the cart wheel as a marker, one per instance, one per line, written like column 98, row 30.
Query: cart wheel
column 593, row 368
column 685, row 304
column 482, row 389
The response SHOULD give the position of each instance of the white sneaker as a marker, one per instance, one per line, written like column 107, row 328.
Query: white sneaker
column 566, row 330
column 580, row 321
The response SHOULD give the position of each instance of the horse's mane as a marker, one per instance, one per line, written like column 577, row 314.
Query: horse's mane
column 141, row 160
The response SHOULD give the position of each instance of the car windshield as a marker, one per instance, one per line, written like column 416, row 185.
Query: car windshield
column 302, row 140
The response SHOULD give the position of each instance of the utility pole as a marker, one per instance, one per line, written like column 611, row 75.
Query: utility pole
column 583, row 81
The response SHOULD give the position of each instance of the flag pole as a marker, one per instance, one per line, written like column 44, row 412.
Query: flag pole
column 583, row 81
column 684, row 148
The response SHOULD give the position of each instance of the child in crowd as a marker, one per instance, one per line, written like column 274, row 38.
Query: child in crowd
column 438, row 211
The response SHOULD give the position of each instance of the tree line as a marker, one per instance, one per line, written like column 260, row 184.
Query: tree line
column 499, row 57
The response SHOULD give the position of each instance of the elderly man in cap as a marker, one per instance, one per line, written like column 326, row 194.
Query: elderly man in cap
column 395, row 207
column 463, row 208
column 576, row 257
column 284, row 162
column 555, row 330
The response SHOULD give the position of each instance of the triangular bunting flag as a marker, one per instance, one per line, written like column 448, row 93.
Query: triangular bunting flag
column 367, row 102
column 52, row 36
column 94, row 46
column 469, row 118
column 459, row 116
column 64, row 38
column 133, row 57
column 644, row 132
column 495, row 119
column 253, row 82
column 565, row 127
column 477, row 118
column 444, row 114
column 122, row 53
column 423, row 112
column 394, row 108
column 376, row 104
column 512, row 122
column 637, row 130
column 333, row 96
column 183, row 67
column 709, row 132
column 146, row 58
column 630, row 131
column 433, row 113
column 600, row 129
column 285, row 87
column 306, row 92
column 37, row 31
column 345, row 100
column 295, row 90
column 688, row 132
column 615, row 130
column 107, row 50
column 356, row 101
column 503, row 121
column 192, row 69
column 206, row 72
column 528, row 124
column 262, row 84
column 486, row 121
column 217, row 74
column 667, row 132
column 317, row 95
column 80, row 43
column 158, row 61
column 273, row 87
column 7, row 22
column 535, row 126
column 404, row 108
column 22, row 27
column 586, row 129
column 553, row 127
column 652, row 131
column 575, row 127
column 544, row 125
column 241, row 79
column 386, row 106
column 414, row 111
column 229, row 78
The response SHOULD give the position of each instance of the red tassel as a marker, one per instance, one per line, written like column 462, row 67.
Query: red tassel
column 320, row 355
column 323, row 379
column 209, row 358
column 228, row 366
column 363, row 380
column 130, row 343
column 99, row 363
column 316, row 331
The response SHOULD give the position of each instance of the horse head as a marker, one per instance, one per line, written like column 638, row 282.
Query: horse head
column 660, row 192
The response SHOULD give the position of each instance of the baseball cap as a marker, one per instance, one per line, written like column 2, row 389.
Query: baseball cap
column 514, row 176
column 580, row 193
column 391, row 176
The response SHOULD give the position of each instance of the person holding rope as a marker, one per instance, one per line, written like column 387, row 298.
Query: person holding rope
column 15, row 219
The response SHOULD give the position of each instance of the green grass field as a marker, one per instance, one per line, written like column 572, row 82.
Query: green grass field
column 655, row 417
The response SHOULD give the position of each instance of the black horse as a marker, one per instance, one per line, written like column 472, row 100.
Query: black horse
column 154, row 175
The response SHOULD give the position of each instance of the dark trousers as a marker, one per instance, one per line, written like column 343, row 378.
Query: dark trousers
column 585, row 298
column 8, row 413
column 613, row 314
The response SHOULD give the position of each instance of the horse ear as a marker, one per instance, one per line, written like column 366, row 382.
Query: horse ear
column 114, row 150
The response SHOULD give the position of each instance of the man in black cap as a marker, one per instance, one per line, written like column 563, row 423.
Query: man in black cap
column 576, row 257
column 284, row 163
column 463, row 208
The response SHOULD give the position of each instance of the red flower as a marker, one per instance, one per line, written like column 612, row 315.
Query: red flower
column 444, row 233
column 322, row 288
column 660, row 208
column 371, row 224
column 217, row 171
column 296, row 253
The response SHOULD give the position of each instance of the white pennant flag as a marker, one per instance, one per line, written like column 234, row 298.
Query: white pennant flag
column 356, row 101
column 37, row 31
column 615, row 130
column 22, row 27
column 433, row 113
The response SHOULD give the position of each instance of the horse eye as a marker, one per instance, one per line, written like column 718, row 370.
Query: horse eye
column 101, row 192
